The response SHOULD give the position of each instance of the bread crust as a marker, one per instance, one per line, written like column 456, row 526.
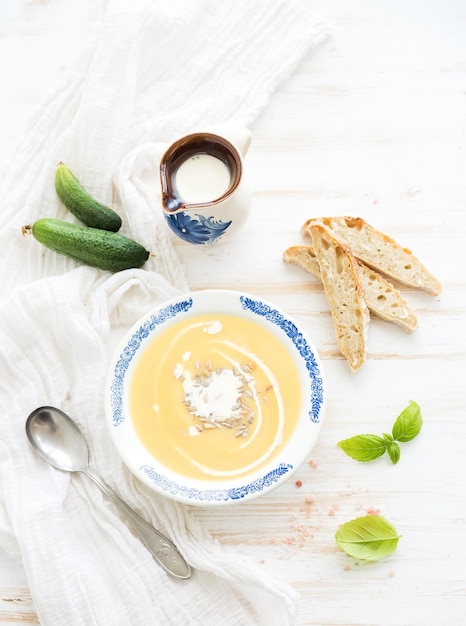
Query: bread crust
column 382, row 298
column 379, row 251
column 339, row 272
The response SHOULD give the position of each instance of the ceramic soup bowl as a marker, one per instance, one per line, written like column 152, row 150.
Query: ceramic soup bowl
column 215, row 397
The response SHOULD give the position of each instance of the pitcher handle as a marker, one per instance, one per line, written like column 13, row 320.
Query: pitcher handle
column 238, row 135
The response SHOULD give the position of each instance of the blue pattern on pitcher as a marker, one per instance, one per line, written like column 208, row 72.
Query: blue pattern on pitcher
column 198, row 229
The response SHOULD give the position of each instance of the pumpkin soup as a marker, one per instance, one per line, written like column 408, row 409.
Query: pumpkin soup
column 215, row 396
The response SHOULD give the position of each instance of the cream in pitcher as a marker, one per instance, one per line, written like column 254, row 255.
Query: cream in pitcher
column 205, row 198
column 202, row 178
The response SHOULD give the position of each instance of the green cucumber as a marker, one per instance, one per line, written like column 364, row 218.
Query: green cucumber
column 82, row 204
column 92, row 246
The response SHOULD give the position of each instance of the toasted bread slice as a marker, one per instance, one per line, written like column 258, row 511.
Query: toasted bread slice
column 304, row 257
column 379, row 251
column 381, row 296
column 340, row 276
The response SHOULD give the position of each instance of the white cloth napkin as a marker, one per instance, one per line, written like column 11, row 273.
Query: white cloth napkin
column 153, row 70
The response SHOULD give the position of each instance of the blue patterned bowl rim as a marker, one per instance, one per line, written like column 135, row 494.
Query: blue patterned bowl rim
column 180, row 488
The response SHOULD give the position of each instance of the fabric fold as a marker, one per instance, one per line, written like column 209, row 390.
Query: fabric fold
column 152, row 71
column 62, row 524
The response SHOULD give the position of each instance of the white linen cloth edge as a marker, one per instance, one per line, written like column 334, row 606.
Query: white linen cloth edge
column 56, row 318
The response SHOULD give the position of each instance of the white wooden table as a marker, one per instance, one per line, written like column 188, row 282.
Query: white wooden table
column 372, row 125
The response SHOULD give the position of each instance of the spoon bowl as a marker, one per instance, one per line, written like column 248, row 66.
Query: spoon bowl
column 58, row 440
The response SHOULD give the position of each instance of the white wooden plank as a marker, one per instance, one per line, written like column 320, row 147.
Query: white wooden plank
column 373, row 124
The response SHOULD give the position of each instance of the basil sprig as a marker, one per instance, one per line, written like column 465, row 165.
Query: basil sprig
column 366, row 448
column 370, row 538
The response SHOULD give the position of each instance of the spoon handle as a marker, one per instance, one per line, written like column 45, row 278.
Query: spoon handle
column 162, row 549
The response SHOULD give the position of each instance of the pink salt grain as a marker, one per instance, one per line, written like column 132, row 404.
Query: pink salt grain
column 313, row 463
column 373, row 511
column 333, row 509
column 307, row 509
column 299, row 483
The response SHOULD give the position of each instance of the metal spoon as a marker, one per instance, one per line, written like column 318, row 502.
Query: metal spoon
column 57, row 439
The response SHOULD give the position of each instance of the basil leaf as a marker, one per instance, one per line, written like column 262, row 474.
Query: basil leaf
column 388, row 438
column 363, row 448
column 370, row 538
column 393, row 450
column 408, row 423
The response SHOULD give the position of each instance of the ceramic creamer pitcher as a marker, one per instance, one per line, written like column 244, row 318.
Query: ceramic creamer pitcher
column 205, row 196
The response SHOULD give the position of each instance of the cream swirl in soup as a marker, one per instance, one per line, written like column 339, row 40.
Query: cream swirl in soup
column 215, row 396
